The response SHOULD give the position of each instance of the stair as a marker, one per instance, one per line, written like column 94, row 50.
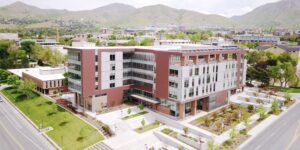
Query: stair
column 99, row 146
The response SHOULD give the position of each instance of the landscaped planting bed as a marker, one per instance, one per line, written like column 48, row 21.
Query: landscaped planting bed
column 69, row 132
column 134, row 115
column 223, row 119
column 184, row 138
column 148, row 127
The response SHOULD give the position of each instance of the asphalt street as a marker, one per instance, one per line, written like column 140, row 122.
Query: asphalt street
column 283, row 134
column 16, row 133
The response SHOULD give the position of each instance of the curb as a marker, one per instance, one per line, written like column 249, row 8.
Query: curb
column 32, row 123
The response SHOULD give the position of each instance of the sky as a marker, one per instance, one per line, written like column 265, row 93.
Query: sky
column 226, row 8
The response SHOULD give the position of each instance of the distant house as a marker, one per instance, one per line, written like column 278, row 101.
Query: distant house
column 257, row 38
column 294, row 51
column 43, row 42
column 9, row 36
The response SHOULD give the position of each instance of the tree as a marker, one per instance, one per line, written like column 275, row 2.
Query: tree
column 66, row 79
column 233, row 133
column 288, row 73
column 141, row 106
column 211, row 145
column 128, row 111
column 26, row 87
column 26, row 45
column 250, row 108
column 262, row 112
column 147, row 42
column 274, row 73
column 246, row 117
column 186, row 130
column 13, row 80
column 143, row 122
column 275, row 107
column 111, row 43
column 56, row 58
column 3, row 75
column 132, row 43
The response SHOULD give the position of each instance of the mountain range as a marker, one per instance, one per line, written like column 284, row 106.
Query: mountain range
column 281, row 14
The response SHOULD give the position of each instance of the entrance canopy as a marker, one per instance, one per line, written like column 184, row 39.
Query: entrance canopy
column 144, row 99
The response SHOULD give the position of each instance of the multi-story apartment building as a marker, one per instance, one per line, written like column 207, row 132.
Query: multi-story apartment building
column 174, row 80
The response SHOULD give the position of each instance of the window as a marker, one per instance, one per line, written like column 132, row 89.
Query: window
column 96, row 68
column 173, row 72
column 207, row 69
column 112, row 57
column 217, row 68
column 197, row 92
column 173, row 84
column 191, row 72
column 196, row 71
column 199, row 81
column 192, row 82
column 112, row 77
column 96, row 58
column 113, row 67
column 203, row 70
column 191, row 92
column 112, row 85
column 186, row 83
column 96, row 79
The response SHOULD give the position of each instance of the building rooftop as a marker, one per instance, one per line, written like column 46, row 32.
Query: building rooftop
column 170, row 48
column 9, row 36
column 42, row 73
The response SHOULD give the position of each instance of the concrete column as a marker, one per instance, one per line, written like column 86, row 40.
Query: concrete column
column 194, row 107
column 182, row 111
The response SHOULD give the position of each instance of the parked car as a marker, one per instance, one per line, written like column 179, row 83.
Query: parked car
column 1, row 100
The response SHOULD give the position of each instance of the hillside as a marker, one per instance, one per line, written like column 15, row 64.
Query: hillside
column 115, row 15
column 284, row 13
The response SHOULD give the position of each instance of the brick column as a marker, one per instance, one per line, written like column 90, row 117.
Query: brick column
column 194, row 107
column 182, row 111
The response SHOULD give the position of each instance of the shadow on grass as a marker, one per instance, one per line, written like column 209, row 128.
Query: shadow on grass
column 49, row 103
column 60, row 109
column 80, row 139
column 51, row 113
column 63, row 123
column 10, row 88
column 21, row 97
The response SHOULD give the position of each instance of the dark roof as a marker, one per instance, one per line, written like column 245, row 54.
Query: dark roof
column 263, row 47
column 289, row 48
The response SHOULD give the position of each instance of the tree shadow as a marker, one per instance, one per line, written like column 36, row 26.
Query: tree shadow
column 49, row 103
column 60, row 109
column 21, row 98
column 80, row 139
column 63, row 123
column 51, row 113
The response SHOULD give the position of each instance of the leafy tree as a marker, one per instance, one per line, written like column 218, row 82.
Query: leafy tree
column 143, row 122
column 233, row 133
column 262, row 112
column 275, row 107
column 3, row 75
column 147, row 42
column 141, row 106
column 26, row 87
column 211, row 145
column 246, row 117
column 26, row 45
column 66, row 79
column 13, row 80
column 56, row 57
column 186, row 130
column 288, row 73
column 111, row 43
column 132, row 43
column 274, row 73
column 129, row 111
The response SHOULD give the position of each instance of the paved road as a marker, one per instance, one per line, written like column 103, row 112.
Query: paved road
column 283, row 134
column 16, row 133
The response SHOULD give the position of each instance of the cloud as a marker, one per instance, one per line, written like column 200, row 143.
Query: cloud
column 222, row 7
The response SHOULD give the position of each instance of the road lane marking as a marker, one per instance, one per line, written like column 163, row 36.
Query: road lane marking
column 296, row 135
column 12, row 137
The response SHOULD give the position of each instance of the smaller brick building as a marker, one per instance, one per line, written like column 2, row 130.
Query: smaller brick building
column 49, row 80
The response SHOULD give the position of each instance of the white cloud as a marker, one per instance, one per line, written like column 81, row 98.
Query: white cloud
column 221, row 7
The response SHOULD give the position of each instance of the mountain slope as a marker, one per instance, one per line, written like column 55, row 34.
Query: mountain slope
column 117, row 15
column 284, row 13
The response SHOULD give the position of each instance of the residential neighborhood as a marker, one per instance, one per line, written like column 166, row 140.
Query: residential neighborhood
column 154, row 75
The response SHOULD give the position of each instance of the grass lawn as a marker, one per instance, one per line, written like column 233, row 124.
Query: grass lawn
column 69, row 132
column 147, row 127
column 288, row 90
column 134, row 115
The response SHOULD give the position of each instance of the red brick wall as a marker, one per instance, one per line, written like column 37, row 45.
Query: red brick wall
column 163, row 109
column 221, row 97
column 115, row 95
column 162, row 74
column 88, row 77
